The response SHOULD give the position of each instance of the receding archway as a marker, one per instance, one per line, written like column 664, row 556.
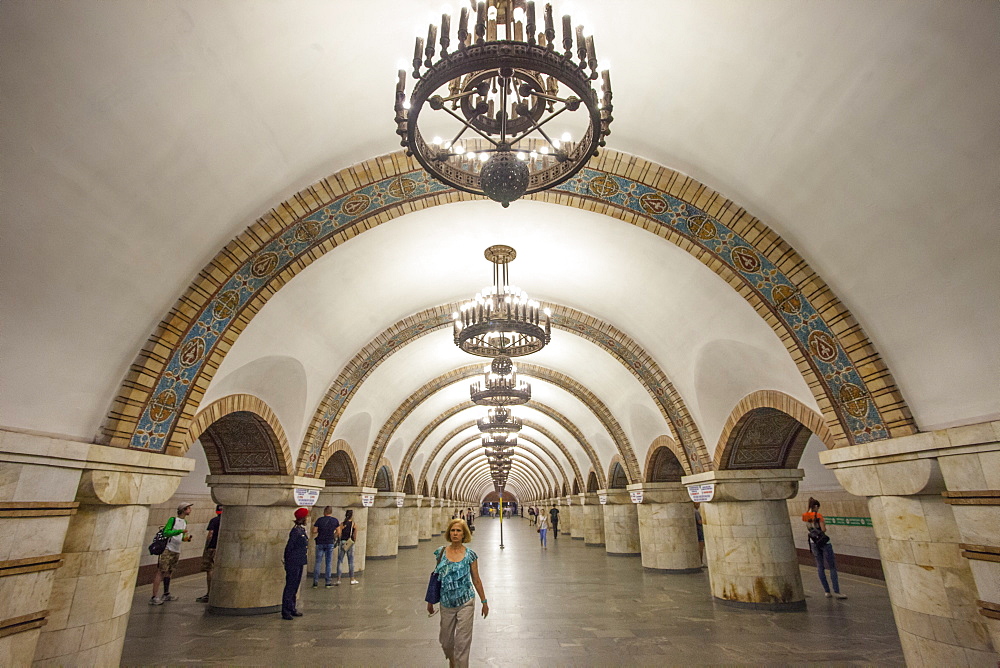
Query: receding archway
column 617, row 478
column 383, row 479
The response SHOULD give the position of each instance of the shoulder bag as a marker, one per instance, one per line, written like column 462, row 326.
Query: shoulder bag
column 433, row 594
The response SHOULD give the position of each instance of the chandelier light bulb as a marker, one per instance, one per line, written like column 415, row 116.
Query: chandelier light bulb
column 436, row 141
column 566, row 137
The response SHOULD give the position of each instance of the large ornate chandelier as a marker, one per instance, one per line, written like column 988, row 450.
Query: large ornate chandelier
column 501, row 320
column 499, row 422
column 507, row 111
column 500, row 386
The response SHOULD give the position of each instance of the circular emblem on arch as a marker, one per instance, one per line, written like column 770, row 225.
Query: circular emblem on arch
column 307, row 231
column 786, row 298
column 402, row 188
column 226, row 304
column 604, row 186
column 192, row 352
column 854, row 400
column 162, row 407
column 702, row 227
column 746, row 259
column 822, row 346
column 356, row 204
column 264, row 264
column 653, row 204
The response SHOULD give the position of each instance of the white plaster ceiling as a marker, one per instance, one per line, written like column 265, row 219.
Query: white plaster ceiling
column 136, row 139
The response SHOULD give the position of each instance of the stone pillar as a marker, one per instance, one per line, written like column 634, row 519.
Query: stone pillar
column 425, row 528
column 593, row 519
column 565, row 517
column 248, row 578
column 934, row 499
column 579, row 526
column 383, row 526
column 751, row 555
column 667, row 531
column 91, row 594
column 621, row 524
column 409, row 521
column 443, row 515
column 342, row 499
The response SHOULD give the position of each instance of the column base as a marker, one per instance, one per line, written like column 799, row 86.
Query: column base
column 380, row 557
column 674, row 571
column 577, row 537
column 424, row 540
column 791, row 606
column 244, row 612
column 593, row 544
column 624, row 554
column 406, row 547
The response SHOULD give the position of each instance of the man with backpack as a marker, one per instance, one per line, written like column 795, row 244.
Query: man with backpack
column 176, row 533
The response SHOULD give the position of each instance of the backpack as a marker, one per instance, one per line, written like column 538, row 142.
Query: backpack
column 159, row 543
column 817, row 536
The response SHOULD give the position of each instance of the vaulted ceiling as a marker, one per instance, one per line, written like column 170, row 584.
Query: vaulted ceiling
column 140, row 138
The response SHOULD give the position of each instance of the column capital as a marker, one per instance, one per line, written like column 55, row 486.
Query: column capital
column 259, row 490
column 388, row 499
column 750, row 484
column 412, row 500
column 615, row 497
column 661, row 492
column 344, row 496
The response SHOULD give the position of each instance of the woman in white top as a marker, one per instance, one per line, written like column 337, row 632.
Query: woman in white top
column 543, row 528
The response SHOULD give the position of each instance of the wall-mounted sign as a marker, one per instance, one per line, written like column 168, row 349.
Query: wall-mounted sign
column 636, row 496
column 702, row 493
column 399, row 502
column 603, row 499
column 367, row 500
column 306, row 497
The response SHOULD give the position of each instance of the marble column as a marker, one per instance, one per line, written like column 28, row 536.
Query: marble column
column 934, row 499
column 579, row 526
column 443, row 515
column 90, row 596
column 383, row 526
column 409, row 521
column 751, row 555
column 566, row 516
column 593, row 519
column 425, row 529
column 342, row 499
column 248, row 578
column 667, row 532
column 621, row 524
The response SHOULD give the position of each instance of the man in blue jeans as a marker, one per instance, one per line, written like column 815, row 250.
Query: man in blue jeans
column 324, row 529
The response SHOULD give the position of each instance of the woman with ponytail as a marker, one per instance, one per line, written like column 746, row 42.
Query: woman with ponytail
column 821, row 548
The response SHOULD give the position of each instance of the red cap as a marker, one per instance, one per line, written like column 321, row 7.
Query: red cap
column 301, row 512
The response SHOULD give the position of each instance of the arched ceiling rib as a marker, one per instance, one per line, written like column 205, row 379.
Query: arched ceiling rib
column 461, row 479
column 462, row 455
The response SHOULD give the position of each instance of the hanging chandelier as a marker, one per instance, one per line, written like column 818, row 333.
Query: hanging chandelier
column 498, row 421
column 500, row 386
column 502, row 319
column 506, row 112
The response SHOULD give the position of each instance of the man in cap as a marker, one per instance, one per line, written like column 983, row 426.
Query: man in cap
column 176, row 531
column 208, row 556
column 296, row 557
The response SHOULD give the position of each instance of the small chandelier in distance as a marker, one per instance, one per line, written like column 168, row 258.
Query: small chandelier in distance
column 502, row 86
column 502, row 319
column 500, row 386
column 499, row 421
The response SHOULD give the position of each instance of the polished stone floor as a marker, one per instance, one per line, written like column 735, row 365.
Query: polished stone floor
column 569, row 605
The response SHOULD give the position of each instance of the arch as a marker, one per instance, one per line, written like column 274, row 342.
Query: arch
column 423, row 489
column 240, row 434
column 768, row 429
column 541, row 474
column 341, row 469
column 587, row 398
column 408, row 486
column 382, row 480
column 518, row 478
column 576, row 487
column 617, row 476
column 168, row 378
column 592, row 483
column 661, row 463
column 472, row 471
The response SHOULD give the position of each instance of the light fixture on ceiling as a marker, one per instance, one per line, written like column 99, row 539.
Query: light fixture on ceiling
column 501, row 320
column 507, row 89
column 499, row 420
column 500, row 386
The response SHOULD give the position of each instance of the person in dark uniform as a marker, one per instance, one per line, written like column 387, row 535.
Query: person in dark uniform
column 296, row 557
column 554, row 522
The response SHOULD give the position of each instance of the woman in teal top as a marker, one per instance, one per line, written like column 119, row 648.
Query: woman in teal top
column 458, row 569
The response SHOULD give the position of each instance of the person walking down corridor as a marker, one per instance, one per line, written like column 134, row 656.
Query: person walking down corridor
column 347, row 533
column 554, row 522
column 296, row 558
column 458, row 570
column 325, row 529
column 822, row 548
column 543, row 528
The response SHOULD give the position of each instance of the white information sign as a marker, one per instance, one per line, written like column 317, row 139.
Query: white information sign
column 367, row 500
column 306, row 497
column 399, row 502
column 702, row 493
column 603, row 499
column 636, row 496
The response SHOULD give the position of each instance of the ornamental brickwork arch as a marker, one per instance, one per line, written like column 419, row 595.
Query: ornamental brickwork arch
column 446, row 475
column 341, row 468
column 662, row 464
column 467, row 472
column 240, row 434
column 857, row 395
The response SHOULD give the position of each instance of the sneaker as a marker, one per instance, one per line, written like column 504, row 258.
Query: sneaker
column 169, row 597
column 336, row 584
column 828, row 595
column 202, row 599
column 315, row 584
column 354, row 582
column 329, row 584
column 840, row 596
column 156, row 600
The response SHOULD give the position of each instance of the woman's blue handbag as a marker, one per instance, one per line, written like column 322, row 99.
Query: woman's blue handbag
column 433, row 595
